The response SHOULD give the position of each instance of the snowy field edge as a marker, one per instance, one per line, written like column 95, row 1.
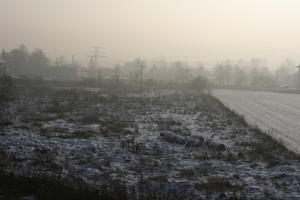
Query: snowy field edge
column 252, row 106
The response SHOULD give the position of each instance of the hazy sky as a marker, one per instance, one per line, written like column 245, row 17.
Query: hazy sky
column 208, row 30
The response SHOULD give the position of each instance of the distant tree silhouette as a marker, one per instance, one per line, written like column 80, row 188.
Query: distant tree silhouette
column 182, row 71
column 3, row 54
column 240, row 76
column 18, row 58
column 38, row 58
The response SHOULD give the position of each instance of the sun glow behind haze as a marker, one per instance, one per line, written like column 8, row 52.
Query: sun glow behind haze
column 207, row 30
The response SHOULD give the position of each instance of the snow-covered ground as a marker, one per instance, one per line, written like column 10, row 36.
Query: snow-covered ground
column 176, row 144
column 277, row 114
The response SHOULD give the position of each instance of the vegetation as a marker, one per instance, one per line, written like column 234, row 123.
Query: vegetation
column 6, row 87
column 132, row 75
column 90, row 109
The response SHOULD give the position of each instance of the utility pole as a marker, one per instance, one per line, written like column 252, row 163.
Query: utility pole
column 94, row 60
column 73, row 59
column 3, row 54
column 141, row 86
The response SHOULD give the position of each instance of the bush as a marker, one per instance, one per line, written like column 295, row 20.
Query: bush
column 6, row 85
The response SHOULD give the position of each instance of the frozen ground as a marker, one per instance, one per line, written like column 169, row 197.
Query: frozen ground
column 170, row 145
column 278, row 114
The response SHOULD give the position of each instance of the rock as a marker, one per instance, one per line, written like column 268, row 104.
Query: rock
column 198, row 137
column 221, row 147
column 185, row 133
column 28, row 198
column 20, row 157
column 214, row 145
column 211, row 143
column 172, row 137
column 194, row 142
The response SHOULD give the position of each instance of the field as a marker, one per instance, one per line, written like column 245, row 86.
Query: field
column 278, row 114
column 169, row 144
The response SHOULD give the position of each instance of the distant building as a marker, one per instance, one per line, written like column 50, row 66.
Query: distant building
column 293, row 80
column 298, row 77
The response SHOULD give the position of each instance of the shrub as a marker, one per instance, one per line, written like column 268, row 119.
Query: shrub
column 6, row 85
column 131, row 144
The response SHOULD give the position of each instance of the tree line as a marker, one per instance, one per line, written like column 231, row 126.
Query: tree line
column 253, row 73
column 239, row 73
column 21, row 57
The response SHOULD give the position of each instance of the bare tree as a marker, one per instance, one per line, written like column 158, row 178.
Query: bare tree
column 182, row 71
column 136, row 71
column 38, row 58
column 116, row 74
column 18, row 58
column 240, row 76
column 6, row 85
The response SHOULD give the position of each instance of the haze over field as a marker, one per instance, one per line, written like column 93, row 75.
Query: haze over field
column 192, row 30
column 149, row 99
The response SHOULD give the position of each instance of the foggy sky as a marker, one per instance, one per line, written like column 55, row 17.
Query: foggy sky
column 192, row 30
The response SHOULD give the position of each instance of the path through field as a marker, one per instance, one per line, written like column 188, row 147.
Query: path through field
column 277, row 114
